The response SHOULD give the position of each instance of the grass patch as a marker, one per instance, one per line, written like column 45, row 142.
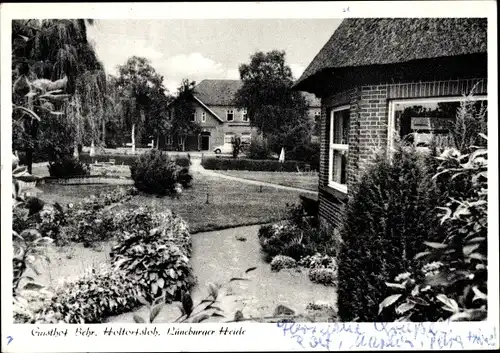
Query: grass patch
column 230, row 203
column 307, row 181
column 64, row 194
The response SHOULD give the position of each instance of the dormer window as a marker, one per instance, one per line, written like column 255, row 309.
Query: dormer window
column 244, row 115
column 230, row 115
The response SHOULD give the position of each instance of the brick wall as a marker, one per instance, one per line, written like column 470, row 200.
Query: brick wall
column 369, row 129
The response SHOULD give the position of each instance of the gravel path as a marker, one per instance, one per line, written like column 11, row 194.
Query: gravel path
column 218, row 256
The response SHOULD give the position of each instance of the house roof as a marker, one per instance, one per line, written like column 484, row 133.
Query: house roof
column 222, row 92
column 376, row 41
column 217, row 92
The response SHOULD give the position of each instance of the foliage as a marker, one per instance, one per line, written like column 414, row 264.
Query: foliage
column 318, row 261
column 182, row 120
column 142, row 97
column 258, row 149
column 451, row 284
column 388, row 217
column 49, row 57
column 96, row 295
column 155, row 172
column 155, row 253
column 326, row 276
column 68, row 166
column 236, row 145
column 279, row 112
column 306, row 152
column 280, row 262
column 121, row 159
column 252, row 164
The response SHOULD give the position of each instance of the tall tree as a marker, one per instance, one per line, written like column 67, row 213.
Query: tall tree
column 182, row 120
column 142, row 89
column 44, row 51
column 278, row 112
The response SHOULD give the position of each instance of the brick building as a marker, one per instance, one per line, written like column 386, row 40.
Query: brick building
column 379, row 79
column 219, row 118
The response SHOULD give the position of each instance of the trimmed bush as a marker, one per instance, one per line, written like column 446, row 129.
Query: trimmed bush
column 389, row 216
column 318, row 261
column 154, row 172
column 267, row 165
column 280, row 262
column 122, row 159
column 307, row 153
column 68, row 167
column 326, row 276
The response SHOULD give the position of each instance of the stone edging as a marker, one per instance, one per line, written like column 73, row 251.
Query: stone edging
column 94, row 179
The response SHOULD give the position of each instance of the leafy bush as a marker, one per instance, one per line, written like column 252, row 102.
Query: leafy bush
column 90, row 299
column 258, row 149
column 157, row 257
column 389, row 216
column 154, row 172
column 253, row 165
column 280, row 262
column 319, row 261
column 67, row 167
column 326, row 276
column 89, row 227
column 123, row 159
column 307, row 153
column 452, row 281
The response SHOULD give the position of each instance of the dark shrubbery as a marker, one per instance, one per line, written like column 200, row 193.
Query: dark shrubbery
column 154, row 172
column 308, row 153
column 252, row 165
column 258, row 149
column 68, row 167
column 389, row 217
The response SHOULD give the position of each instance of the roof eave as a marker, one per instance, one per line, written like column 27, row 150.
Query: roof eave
column 207, row 108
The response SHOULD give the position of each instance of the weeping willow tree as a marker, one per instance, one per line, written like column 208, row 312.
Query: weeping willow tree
column 48, row 51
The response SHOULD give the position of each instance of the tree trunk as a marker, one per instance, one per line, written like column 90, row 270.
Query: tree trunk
column 133, row 138
column 31, row 148
column 157, row 141
column 104, row 133
column 92, row 148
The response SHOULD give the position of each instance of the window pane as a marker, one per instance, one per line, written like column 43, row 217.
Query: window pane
column 341, row 123
column 426, row 122
column 339, row 167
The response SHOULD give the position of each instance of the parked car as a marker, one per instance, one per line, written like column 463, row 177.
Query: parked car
column 225, row 148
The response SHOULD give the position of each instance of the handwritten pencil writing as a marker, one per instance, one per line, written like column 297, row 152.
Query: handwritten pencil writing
column 336, row 336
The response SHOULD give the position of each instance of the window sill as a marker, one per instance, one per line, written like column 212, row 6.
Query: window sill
column 337, row 192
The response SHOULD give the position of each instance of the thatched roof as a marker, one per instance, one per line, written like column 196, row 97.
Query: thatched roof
column 376, row 41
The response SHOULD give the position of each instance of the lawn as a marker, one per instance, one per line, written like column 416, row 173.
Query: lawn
column 307, row 181
column 65, row 194
column 230, row 203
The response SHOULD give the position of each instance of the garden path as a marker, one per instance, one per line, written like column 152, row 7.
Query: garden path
column 196, row 166
column 220, row 255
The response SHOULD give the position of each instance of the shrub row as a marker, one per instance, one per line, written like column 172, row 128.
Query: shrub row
column 266, row 165
column 121, row 159
column 151, row 260
column 68, row 166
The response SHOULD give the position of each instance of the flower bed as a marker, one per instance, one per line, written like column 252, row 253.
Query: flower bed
column 150, row 260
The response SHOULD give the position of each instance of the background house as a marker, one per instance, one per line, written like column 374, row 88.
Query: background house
column 382, row 78
column 219, row 118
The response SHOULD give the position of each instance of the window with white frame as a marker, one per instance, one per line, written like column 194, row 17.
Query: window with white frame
column 244, row 115
column 203, row 117
column 339, row 148
column 230, row 115
column 427, row 122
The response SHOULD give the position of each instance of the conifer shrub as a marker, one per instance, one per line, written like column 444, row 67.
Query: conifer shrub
column 388, row 218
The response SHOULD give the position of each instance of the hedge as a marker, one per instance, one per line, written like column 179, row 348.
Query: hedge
column 264, row 165
column 127, row 159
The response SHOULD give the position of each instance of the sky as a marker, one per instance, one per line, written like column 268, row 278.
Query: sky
column 207, row 49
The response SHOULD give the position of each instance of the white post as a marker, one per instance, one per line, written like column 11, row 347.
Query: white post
column 133, row 138
column 92, row 148
column 76, row 154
